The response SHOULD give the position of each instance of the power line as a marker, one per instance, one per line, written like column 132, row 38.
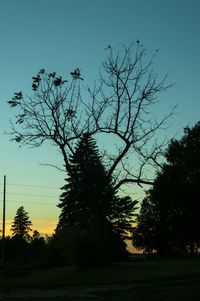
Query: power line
column 33, row 194
column 33, row 186
column 27, row 202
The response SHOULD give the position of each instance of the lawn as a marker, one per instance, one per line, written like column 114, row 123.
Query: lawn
column 139, row 280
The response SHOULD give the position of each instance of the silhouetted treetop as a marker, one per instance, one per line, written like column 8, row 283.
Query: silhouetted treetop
column 21, row 226
column 119, row 106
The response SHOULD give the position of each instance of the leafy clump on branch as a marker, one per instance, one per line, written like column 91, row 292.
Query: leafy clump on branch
column 119, row 106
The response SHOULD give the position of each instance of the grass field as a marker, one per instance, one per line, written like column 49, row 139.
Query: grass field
column 139, row 281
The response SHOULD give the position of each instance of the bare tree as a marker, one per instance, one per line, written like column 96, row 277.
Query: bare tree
column 119, row 106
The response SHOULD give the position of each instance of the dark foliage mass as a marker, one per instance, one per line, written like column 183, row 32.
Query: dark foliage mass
column 93, row 223
column 22, row 247
column 93, row 219
column 169, row 218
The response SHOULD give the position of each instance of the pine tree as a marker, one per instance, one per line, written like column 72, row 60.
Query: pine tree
column 86, row 196
column 93, row 218
column 21, row 226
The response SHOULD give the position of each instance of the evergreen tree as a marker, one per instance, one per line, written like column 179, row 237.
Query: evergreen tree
column 89, row 204
column 21, row 226
column 121, row 215
column 85, row 195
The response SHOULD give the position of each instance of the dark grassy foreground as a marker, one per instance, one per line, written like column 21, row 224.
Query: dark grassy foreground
column 139, row 281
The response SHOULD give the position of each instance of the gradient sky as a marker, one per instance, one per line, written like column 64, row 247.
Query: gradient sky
column 64, row 34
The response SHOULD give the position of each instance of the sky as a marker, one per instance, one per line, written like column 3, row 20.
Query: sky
column 64, row 34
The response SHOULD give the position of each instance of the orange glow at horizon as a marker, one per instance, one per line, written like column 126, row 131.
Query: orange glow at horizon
column 42, row 226
column 47, row 227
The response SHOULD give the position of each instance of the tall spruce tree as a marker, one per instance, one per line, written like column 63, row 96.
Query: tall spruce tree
column 89, row 202
column 86, row 196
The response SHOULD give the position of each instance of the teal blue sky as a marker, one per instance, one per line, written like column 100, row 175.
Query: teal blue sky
column 64, row 34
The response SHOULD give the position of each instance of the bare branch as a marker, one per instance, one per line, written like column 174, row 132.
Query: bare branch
column 52, row 165
column 135, row 181
column 120, row 106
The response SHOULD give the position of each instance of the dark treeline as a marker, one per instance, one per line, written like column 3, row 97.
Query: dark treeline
column 24, row 244
column 168, row 223
column 95, row 222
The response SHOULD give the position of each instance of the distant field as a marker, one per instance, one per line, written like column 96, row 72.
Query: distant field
column 139, row 281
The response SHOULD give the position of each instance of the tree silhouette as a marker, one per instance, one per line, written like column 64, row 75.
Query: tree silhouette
column 155, row 224
column 90, row 207
column 21, row 226
column 87, row 190
column 184, row 159
column 170, row 213
column 120, row 107
column 145, row 234
column 89, row 197
column 37, row 244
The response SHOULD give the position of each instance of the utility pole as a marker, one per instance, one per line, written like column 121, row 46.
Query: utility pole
column 4, row 222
